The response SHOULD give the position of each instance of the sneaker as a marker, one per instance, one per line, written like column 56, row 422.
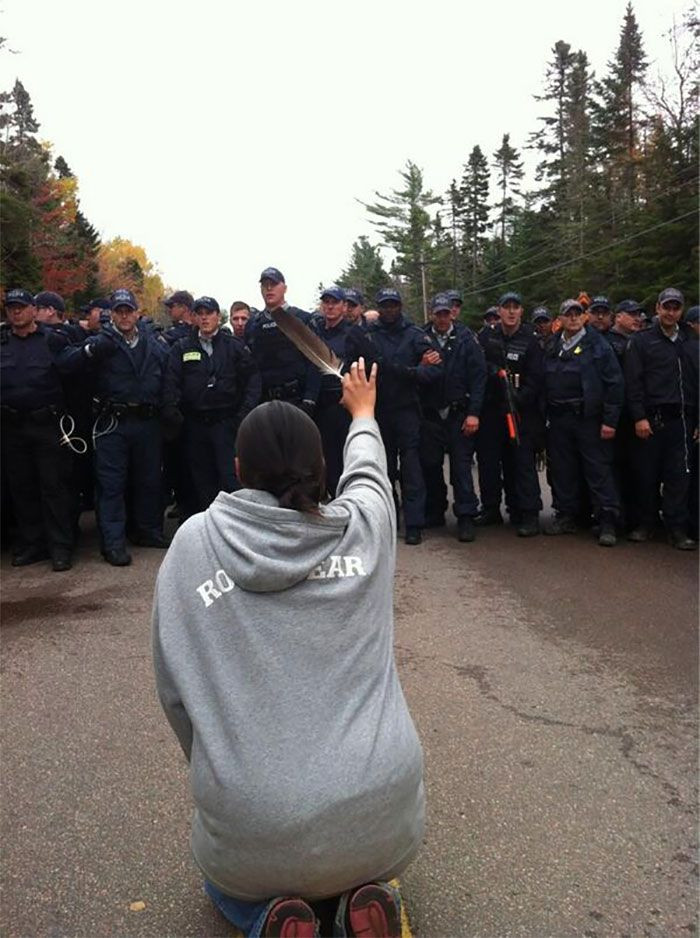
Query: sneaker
column 680, row 540
column 562, row 525
column 639, row 535
column 290, row 918
column 487, row 517
column 465, row 529
column 413, row 536
column 529, row 525
column 373, row 911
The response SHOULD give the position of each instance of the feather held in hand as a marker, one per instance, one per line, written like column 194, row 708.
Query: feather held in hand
column 308, row 343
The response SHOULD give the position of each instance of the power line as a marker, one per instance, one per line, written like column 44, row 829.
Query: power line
column 581, row 257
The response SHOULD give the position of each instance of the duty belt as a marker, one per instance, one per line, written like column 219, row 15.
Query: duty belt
column 557, row 408
column 284, row 392
column 209, row 417
column 39, row 415
column 126, row 409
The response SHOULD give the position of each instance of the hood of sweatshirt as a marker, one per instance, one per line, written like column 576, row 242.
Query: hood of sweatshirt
column 265, row 548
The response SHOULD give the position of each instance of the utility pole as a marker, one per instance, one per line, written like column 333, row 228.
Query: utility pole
column 423, row 286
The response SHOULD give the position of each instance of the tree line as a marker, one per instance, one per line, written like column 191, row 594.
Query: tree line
column 612, row 208
column 47, row 241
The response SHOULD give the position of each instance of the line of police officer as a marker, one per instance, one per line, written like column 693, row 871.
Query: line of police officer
column 173, row 401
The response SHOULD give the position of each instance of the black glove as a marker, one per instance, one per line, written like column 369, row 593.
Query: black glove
column 56, row 341
column 98, row 347
column 308, row 407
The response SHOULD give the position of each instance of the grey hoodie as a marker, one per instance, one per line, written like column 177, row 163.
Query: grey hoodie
column 273, row 653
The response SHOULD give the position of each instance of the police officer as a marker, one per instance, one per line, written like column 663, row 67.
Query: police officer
column 39, row 467
column 511, row 420
column 628, row 318
column 662, row 399
column 455, row 298
column 332, row 419
column 600, row 314
column 96, row 313
column 130, row 361
column 211, row 381
column 692, row 353
column 542, row 322
column 451, row 409
column 584, row 392
column 180, row 306
column 489, row 319
column 285, row 373
column 354, row 306
column 399, row 348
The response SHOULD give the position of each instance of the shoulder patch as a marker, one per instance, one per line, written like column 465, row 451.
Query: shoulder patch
column 192, row 356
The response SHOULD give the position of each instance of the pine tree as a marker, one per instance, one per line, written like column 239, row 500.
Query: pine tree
column 474, row 191
column 404, row 224
column 365, row 271
column 551, row 139
column 509, row 167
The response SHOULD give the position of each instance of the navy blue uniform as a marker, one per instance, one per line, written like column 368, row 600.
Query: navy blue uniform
column 285, row 373
column 129, row 387
column 661, row 387
column 332, row 419
column 584, row 389
column 214, row 393
column 445, row 406
column 178, row 330
column 39, row 468
column 502, row 463
column 398, row 349
column 624, row 447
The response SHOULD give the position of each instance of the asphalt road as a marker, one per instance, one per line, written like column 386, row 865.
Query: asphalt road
column 554, row 686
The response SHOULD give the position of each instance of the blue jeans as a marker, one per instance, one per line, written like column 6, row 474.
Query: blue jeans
column 249, row 917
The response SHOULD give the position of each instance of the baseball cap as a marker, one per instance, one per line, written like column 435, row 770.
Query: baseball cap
column 541, row 312
column 510, row 298
column 441, row 301
column 387, row 295
column 670, row 293
column 100, row 301
column 568, row 305
column 181, row 298
column 48, row 298
column 491, row 313
column 693, row 314
column 454, row 296
column 206, row 302
column 124, row 298
column 602, row 301
column 336, row 292
column 19, row 298
column 272, row 273
column 629, row 306
column 354, row 296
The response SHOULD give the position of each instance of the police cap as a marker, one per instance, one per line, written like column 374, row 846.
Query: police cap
column 671, row 294
column 569, row 305
column 629, row 306
column 124, row 298
column 206, row 302
column 454, row 296
column 387, row 295
column 19, row 298
column 354, row 296
column 441, row 301
column 510, row 297
column 272, row 273
column 48, row 298
column 602, row 302
column 337, row 293
column 540, row 314
column 693, row 314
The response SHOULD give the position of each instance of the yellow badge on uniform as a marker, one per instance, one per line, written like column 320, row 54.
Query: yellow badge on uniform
column 192, row 357
column 577, row 350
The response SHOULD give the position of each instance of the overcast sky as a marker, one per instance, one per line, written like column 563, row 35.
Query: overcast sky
column 228, row 136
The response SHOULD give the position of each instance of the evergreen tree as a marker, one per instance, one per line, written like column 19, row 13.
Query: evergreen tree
column 365, row 270
column 509, row 168
column 474, row 191
column 551, row 139
column 404, row 224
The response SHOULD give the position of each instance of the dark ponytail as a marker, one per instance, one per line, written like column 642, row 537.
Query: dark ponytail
column 279, row 451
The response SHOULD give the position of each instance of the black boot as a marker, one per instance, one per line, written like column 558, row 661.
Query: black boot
column 465, row 529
